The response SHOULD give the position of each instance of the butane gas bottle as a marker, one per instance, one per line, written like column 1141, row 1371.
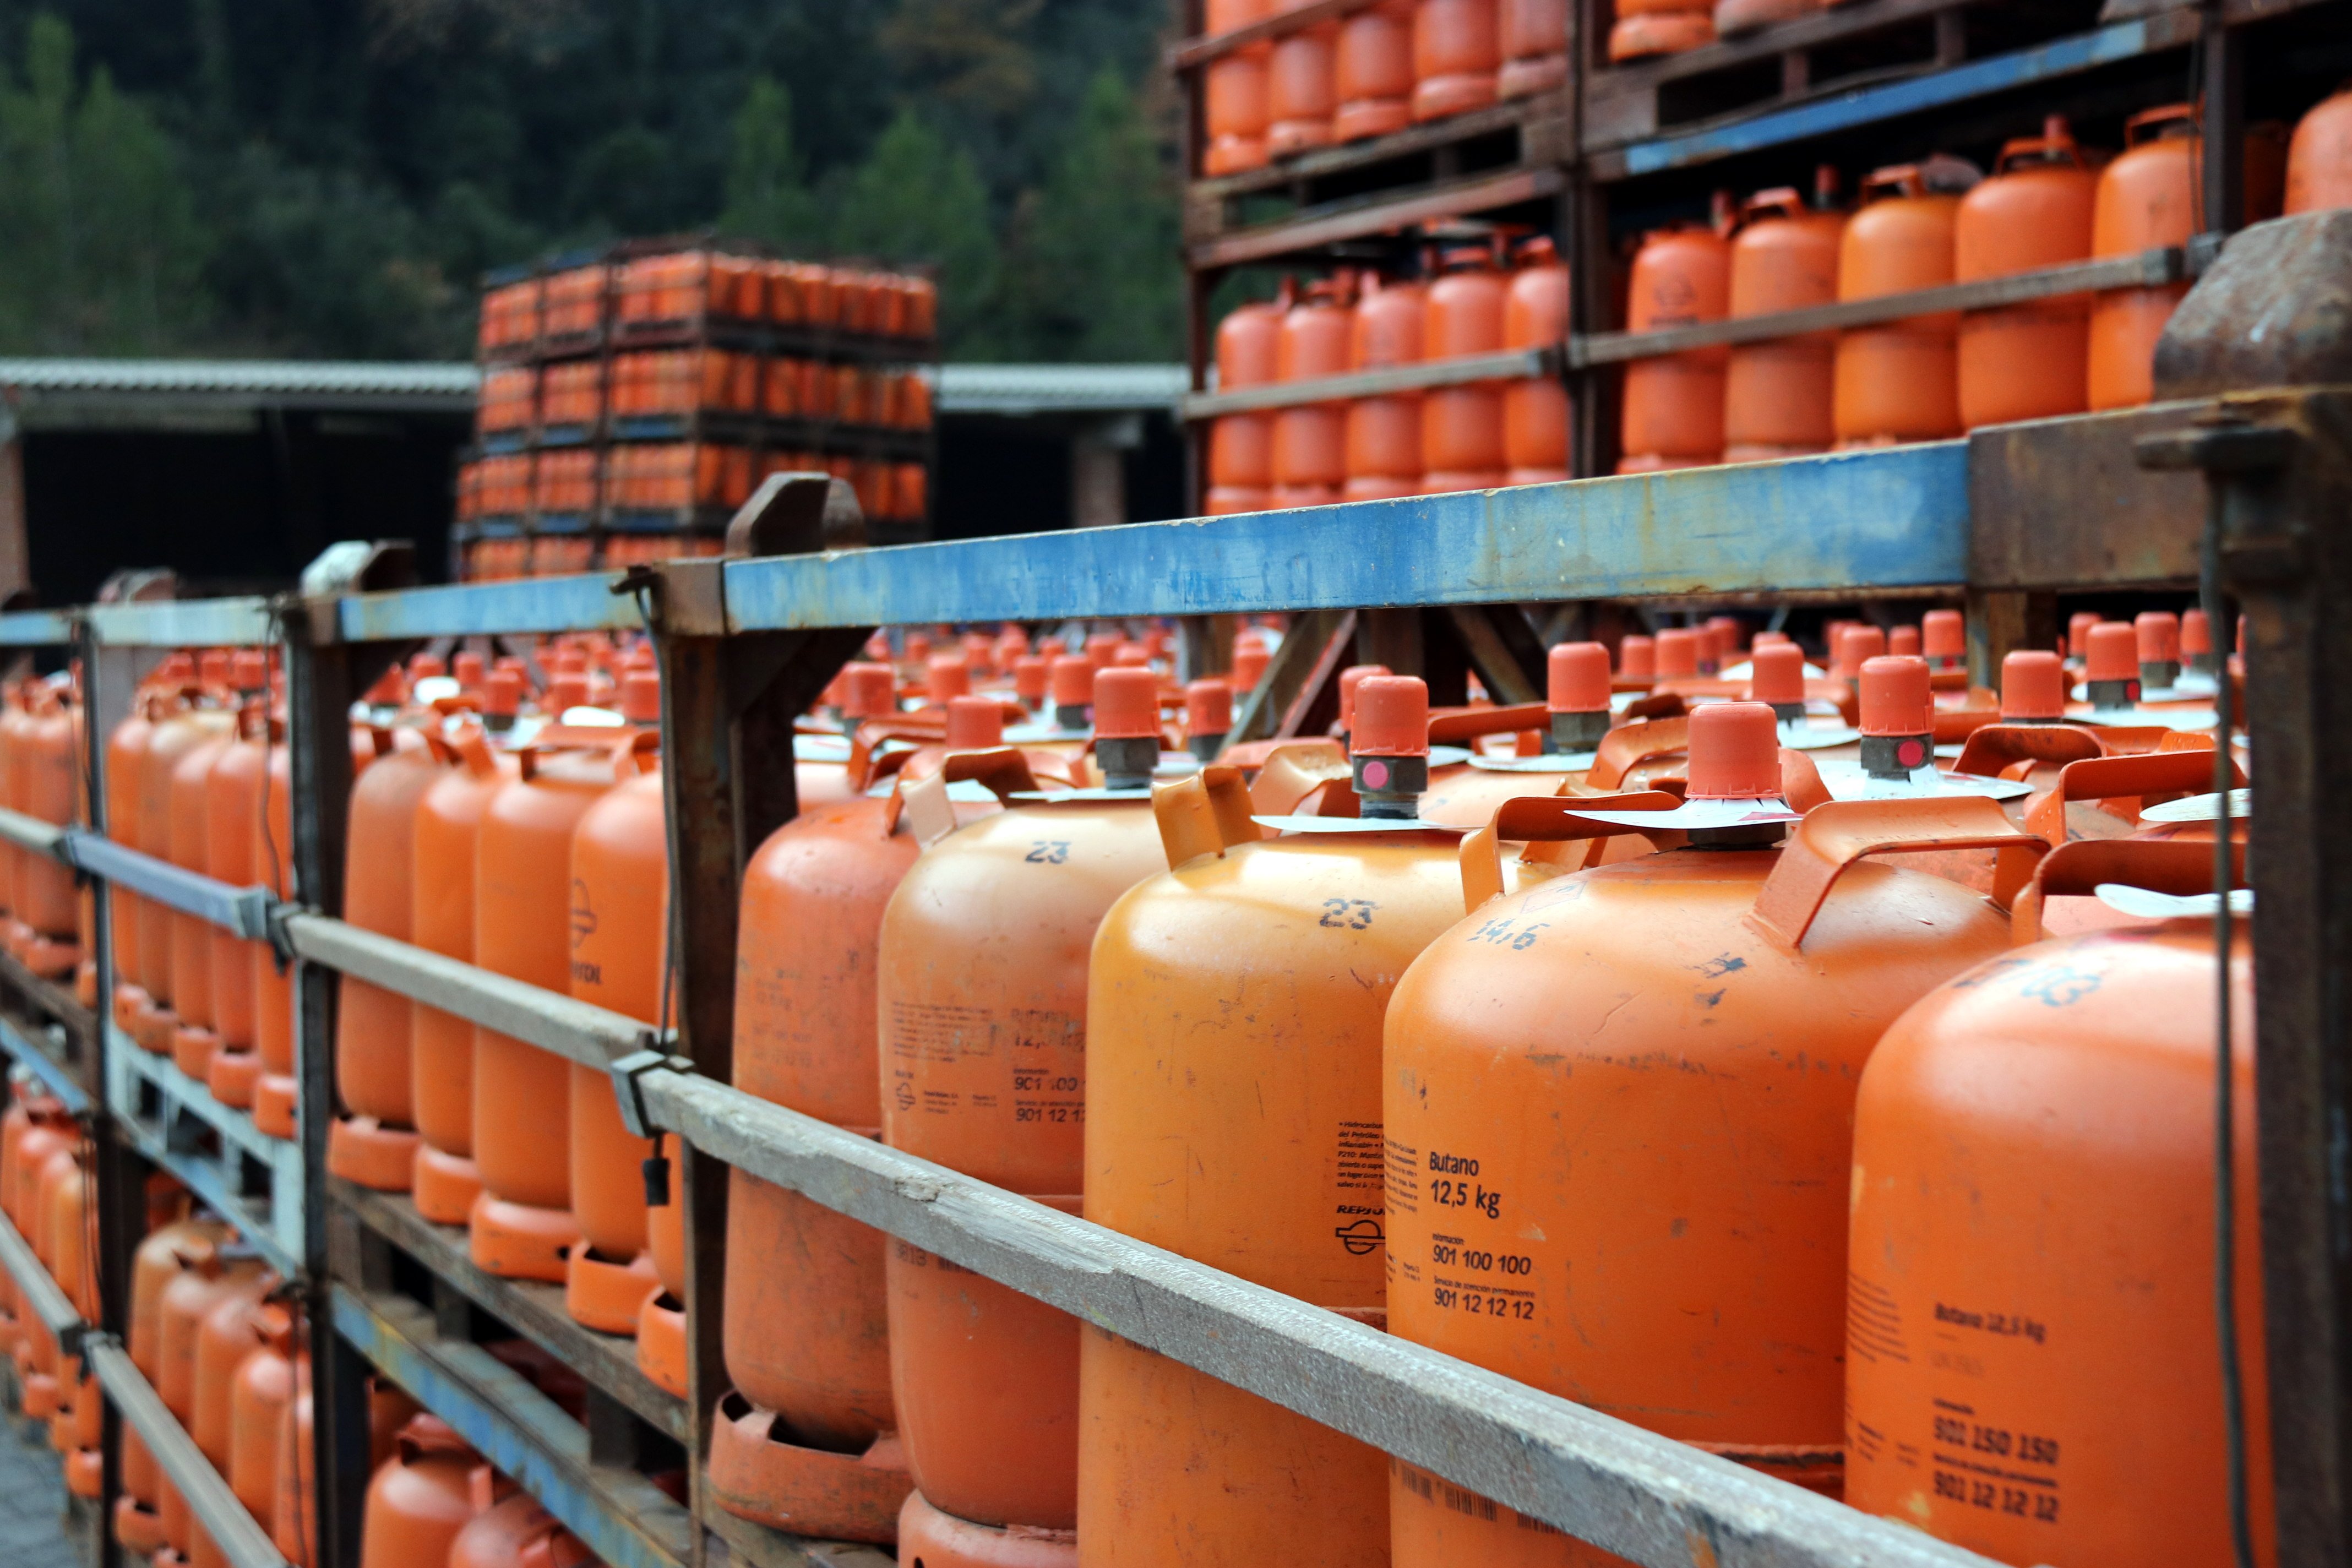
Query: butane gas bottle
column 1241, row 446
column 159, row 1259
column 1899, row 381
column 419, row 1499
column 445, row 1180
column 1777, row 397
column 1455, row 57
column 1673, row 403
column 1232, row 1116
column 179, row 733
column 2030, row 361
column 1746, row 16
column 45, row 772
column 1536, row 410
column 1660, row 27
column 2032, row 1192
column 1462, row 426
column 809, row 1438
column 1302, row 91
column 1384, row 433
column 1732, row 980
column 376, row 1146
column 2319, row 159
column 1233, row 87
column 522, row 1223
column 277, row 1090
column 985, row 1021
column 1310, row 443
column 620, row 905
column 257, row 1400
column 1375, row 71
column 232, row 834
column 2145, row 198
column 1532, row 37
column 189, row 787
column 126, row 769
column 518, row 1533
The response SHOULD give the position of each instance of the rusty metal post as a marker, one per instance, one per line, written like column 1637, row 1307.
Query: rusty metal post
column 2279, row 459
column 728, row 705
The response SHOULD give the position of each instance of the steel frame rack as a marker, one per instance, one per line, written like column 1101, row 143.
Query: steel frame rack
column 2006, row 519
column 1620, row 145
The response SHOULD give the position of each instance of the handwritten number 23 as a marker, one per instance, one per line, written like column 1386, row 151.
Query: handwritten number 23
column 1353, row 914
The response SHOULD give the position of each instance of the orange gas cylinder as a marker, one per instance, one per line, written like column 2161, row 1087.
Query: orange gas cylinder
column 1310, row 443
column 44, row 901
column 620, row 901
column 188, row 1300
column 256, row 1404
column 71, row 1235
column 937, row 1539
column 178, row 734
column 1373, row 72
column 2034, row 1193
column 1301, row 90
column 1384, row 433
column 1536, row 411
column 1660, row 27
column 126, row 771
column 1455, row 57
column 232, row 834
column 1234, row 92
column 517, row 1533
column 230, row 1330
column 1899, row 381
column 159, row 1259
column 522, row 1223
column 2319, row 159
column 1241, row 446
column 1462, row 426
column 291, row 1526
column 274, row 1092
column 1532, row 37
column 1777, row 396
column 375, row 1145
column 983, row 1008
column 420, row 1498
column 194, row 1041
column 14, row 722
column 441, row 1044
column 1616, row 1004
column 806, row 1321
column 2145, row 198
column 2026, row 362
column 1747, row 16
column 1233, row 1115
column 1673, row 403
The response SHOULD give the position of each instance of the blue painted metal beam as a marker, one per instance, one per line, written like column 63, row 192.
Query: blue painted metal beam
column 584, row 603
column 1891, row 519
column 183, row 623
column 36, row 628
column 35, row 1057
column 1938, row 89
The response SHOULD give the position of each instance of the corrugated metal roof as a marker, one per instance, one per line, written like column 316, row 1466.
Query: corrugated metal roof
column 249, row 378
column 56, row 390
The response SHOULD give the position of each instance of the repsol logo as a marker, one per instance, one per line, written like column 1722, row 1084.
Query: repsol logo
column 1452, row 1164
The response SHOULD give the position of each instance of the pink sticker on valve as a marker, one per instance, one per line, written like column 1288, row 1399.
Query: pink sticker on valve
column 1376, row 774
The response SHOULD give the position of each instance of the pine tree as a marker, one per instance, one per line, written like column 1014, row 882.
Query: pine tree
column 1095, row 267
column 767, row 179
column 916, row 200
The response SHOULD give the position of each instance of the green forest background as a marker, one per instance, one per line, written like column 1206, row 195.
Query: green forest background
column 329, row 178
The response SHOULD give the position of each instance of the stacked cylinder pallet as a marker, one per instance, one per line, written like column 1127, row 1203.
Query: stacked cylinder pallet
column 630, row 402
column 1917, row 227
column 1038, row 923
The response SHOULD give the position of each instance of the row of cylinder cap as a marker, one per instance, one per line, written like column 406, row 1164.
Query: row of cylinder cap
column 1370, row 449
column 1246, row 1018
column 2048, row 202
column 1379, row 70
